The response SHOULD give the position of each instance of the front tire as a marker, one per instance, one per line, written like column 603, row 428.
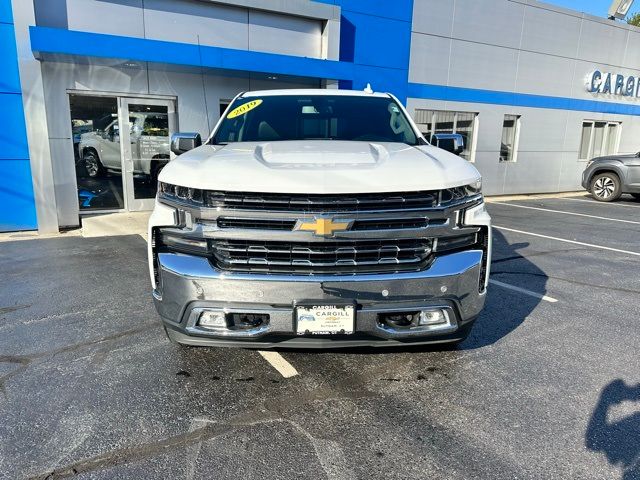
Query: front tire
column 606, row 187
column 92, row 164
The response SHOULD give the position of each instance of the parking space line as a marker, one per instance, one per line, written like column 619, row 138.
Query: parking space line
column 601, row 204
column 278, row 362
column 567, row 213
column 523, row 290
column 575, row 242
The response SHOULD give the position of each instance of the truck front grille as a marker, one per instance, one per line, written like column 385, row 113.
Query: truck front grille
column 322, row 257
column 261, row 232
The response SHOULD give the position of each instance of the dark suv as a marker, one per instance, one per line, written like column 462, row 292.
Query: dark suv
column 609, row 177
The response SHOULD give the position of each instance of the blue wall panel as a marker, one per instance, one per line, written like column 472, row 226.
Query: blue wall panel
column 17, row 203
column 56, row 40
column 245, row 60
column 381, row 79
column 494, row 97
column 13, row 134
column 17, row 210
column 9, row 77
column 6, row 16
column 379, row 41
column 376, row 36
column 68, row 42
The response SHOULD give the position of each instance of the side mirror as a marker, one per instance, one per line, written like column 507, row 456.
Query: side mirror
column 183, row 142
column 451, row 142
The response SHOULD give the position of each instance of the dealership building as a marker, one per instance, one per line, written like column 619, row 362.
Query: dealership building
column 91, row 90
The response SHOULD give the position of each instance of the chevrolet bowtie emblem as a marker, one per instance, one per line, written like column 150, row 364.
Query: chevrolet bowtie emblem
column 324, row 226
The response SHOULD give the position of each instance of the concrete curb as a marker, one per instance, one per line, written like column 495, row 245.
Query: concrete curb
column 506, row 198
column 113, row 224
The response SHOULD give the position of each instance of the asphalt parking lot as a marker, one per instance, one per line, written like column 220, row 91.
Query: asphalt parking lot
column 546, row 386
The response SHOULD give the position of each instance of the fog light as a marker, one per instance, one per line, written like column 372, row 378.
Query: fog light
column 213, row 320
column 433, row 317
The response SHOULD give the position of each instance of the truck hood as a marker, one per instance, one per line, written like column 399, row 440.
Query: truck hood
column 318, row 166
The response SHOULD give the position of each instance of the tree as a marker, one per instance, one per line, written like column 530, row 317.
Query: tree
column 634, row 19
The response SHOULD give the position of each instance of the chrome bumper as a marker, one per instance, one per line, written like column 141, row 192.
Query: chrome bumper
column 191, row 282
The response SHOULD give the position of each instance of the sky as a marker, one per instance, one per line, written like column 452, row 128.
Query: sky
column 598, row 8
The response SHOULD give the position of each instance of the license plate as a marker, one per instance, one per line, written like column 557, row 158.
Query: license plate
column 325, row 319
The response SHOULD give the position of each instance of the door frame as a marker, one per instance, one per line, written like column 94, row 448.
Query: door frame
column 133, row 204
column 132, row 98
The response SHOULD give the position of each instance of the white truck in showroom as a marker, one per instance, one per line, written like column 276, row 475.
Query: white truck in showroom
column 318, row 218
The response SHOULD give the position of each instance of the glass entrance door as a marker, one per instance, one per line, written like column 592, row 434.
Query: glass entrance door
column 96, row 147
column 146, row 131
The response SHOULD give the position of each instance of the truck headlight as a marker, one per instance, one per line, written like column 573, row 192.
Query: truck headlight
column 177, row 192
column 474, row 188
column 165, row 188
column 462, row 192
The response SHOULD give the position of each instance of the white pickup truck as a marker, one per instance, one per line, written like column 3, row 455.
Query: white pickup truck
column 317, row 218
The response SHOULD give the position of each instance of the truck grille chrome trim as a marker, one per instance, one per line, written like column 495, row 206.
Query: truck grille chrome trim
column 322, row 257
column 322, row 203
column 256, row 223
column 358, row 225
column 308, row 203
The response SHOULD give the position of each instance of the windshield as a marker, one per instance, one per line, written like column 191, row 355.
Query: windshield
column 315, row 117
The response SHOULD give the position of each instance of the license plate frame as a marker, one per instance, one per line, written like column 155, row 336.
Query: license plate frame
column 339, row 320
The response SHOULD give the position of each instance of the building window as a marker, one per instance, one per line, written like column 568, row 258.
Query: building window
column 510, row 137
column 223, row 106
column 599, row 138
column 431, row 122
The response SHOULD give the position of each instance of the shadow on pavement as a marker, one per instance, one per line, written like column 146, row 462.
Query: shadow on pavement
column 618, row 439
column 505, row 310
